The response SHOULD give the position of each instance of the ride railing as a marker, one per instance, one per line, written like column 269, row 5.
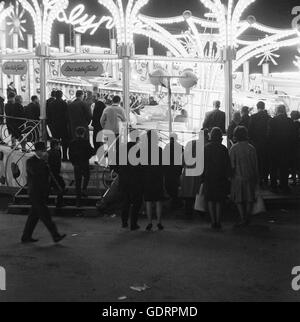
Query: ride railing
column 17, row 139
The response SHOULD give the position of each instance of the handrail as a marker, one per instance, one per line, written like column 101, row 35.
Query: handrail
column 18, row 118
column 14, row 149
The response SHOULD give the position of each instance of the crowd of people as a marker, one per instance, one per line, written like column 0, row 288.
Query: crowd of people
column 261, row 149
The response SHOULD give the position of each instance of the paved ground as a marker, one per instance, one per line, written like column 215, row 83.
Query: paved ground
column 187, row 262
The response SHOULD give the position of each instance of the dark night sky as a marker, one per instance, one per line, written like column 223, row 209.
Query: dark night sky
column 275, row 13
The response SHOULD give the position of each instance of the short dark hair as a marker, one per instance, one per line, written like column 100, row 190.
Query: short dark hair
column 58, row 95
column 53, row 93
column 11, row 95
column 241, row 134
column 217, row 104
column 280, row 109
column 33, row 98
column 261, row 105
column 79, row 93
column 40, row 146
column 295, row 115
column 216, row 135
column 54, row 143
column 80, row 132
column 245, row 110
column 116, row 99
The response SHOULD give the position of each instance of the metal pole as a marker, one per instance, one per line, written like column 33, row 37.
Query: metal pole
column 170, row 106
column 126, row 54
column 228, row 85
column 228, row 77
column 43, row 117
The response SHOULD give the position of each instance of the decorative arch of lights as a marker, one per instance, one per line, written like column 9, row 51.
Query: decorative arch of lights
column 203, row 38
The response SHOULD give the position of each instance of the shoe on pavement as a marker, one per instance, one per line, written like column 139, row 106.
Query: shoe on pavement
column 29, row 241
column 59, row 238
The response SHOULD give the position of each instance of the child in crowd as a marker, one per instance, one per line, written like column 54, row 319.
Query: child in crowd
column 80, row 152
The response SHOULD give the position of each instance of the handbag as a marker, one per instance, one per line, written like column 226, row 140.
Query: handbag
column 200, row 202
column 259, row 206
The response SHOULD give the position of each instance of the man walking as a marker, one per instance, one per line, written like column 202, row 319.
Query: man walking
column 38, row 177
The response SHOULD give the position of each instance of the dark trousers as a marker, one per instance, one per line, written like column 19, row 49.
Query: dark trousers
column 59, row 186
column 280, row 170
column 263, row 162
column 172, row 183
column 58, row 183
column 81, row 172
column 96, row 144
column 65, row 142
column 132, row 203
column 39, row 211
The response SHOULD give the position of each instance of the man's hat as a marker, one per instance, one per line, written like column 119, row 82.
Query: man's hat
column 40, row 146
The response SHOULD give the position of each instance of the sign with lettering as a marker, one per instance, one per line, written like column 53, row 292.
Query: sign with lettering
column 82, row 22
column 14, row 68
column 92, row 69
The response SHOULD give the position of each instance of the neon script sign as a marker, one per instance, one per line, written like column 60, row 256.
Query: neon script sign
column 83, row 22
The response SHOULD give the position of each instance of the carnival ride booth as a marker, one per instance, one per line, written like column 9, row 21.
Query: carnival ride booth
column 206, row 58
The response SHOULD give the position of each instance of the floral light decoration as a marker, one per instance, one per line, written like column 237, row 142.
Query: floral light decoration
column 43, row 16
column 268, row 56
column 5, row 12
column 125, row 18
column 16, row 21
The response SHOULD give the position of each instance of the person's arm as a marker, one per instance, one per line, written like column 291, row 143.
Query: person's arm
column 232, row 161
column 29, row 168
column 206, row 122
column 228, row 165
column 122, row 115
column 103, row 119
column 71, row 153
column 88, row 113
column 224, row 123
column 91, row 151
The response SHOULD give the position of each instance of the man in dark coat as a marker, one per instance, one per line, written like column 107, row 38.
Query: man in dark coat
column 50, row 100
column 33, row 110
column 131, row 186
column 33, row 113
column 282, row 137
column 258, row 135
column 11, row 89
column 12, row 111
column 79, row 115
column 58, row 122
column 215, row 118
column 80, row 153
column 97, row 114
column 38, row 189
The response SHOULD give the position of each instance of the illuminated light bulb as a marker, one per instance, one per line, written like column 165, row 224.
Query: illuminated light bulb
column 187, row 14
column 188, row 80
column 158, row 78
